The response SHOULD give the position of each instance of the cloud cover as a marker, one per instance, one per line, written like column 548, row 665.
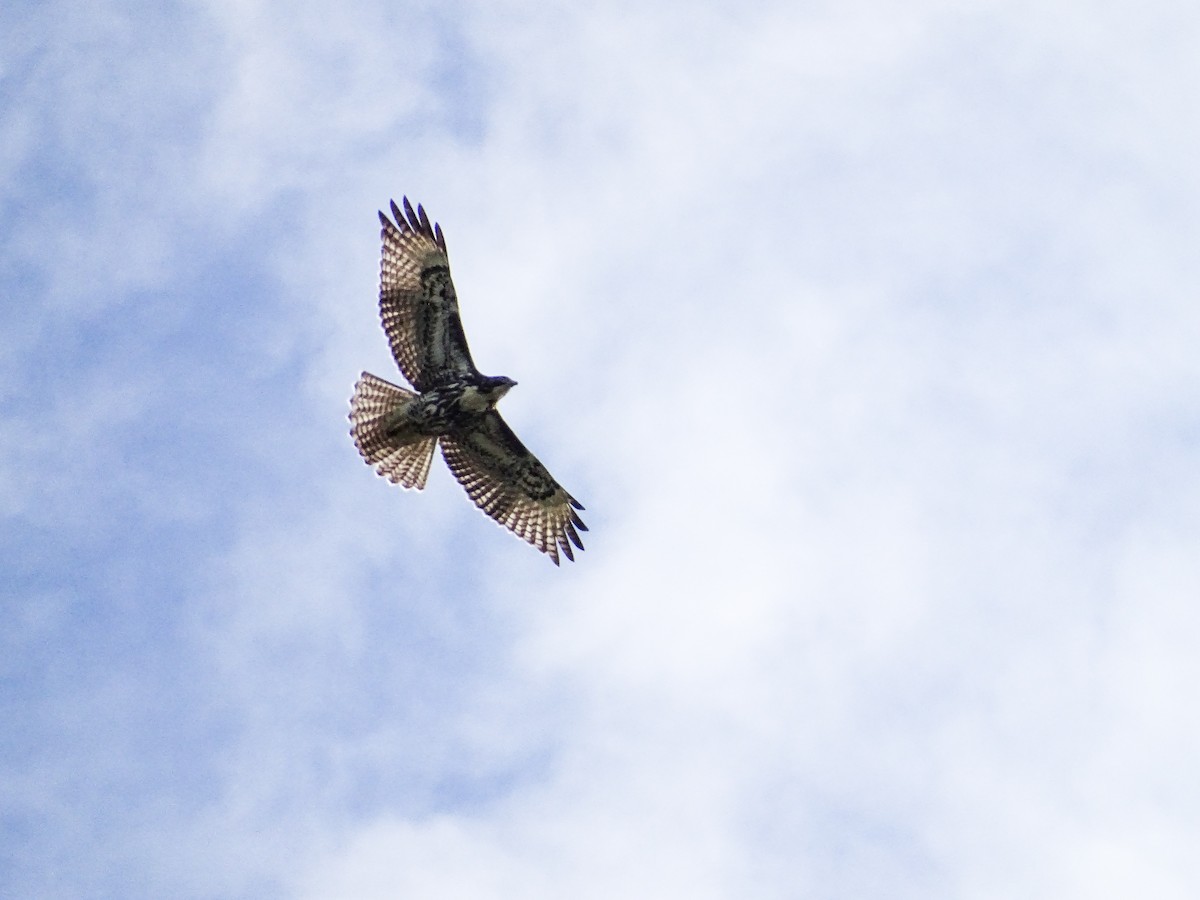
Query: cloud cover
column 865, row 333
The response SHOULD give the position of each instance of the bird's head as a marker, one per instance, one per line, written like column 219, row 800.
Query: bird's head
column 496, row 387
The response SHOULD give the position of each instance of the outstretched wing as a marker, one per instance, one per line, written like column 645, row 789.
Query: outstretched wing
column 508, row 483
column 417, row 302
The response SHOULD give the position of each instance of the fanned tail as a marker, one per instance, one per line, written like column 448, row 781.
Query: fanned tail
column 401, row 462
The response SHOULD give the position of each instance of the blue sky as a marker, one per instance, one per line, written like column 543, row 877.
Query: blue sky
column 865, row 331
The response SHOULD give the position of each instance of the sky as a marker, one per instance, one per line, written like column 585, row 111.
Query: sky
column 865, row 331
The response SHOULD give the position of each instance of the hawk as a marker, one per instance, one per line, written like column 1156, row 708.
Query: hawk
column 396, row 430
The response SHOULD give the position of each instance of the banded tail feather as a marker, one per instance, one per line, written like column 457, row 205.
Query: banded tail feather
column 402, row 462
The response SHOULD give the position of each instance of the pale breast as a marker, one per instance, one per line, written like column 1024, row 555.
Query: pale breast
column 474, row 401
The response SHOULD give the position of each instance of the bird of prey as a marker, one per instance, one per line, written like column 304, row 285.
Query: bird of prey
column 396, row 430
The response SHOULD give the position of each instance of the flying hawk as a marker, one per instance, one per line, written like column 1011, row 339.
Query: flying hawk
column 396, row 429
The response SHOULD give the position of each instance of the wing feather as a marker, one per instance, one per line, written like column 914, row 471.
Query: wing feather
column 508, row 483
column 417, row 301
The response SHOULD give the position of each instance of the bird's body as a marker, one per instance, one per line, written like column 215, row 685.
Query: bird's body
column 454, row 406
column 396, row 430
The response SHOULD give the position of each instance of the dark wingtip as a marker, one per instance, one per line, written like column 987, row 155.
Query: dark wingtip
column 575, row 537
column 424, row 219
column 413, row 221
